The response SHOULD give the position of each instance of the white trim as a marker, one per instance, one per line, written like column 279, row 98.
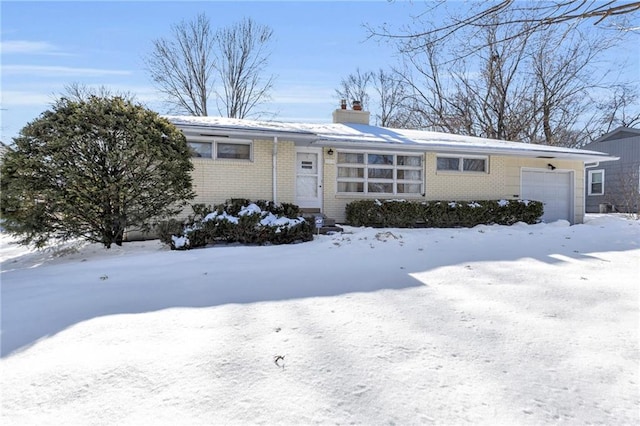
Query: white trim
column 463, row 157
column 373, row 137
column 214, row 141
column 308, row 203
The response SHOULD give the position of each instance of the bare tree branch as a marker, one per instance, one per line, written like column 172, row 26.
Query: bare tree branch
column 531, row 16
column 242, row 58
column 535, row 87
column 183, row 66
column 355, row 87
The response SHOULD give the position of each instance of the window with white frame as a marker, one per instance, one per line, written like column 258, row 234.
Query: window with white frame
column 454, row 163
column 379, row 173
column 596, row 182
column 227, row 149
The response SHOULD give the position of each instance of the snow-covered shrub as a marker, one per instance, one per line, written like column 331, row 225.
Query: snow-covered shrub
column 242, row 221
column 442, row 214
column 388, row 214
column 167, row 228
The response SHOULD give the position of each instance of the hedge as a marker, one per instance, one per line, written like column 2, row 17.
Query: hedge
column 441, row 214
column 237, row 220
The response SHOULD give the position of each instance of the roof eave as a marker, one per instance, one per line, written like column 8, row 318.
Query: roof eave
column 464, row 148
column 245, row 133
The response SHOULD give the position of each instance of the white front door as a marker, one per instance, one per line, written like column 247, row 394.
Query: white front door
column 309, row 178
column 553, row 188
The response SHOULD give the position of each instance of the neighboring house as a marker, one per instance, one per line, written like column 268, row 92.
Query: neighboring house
column 323, row 167
column 615, row 186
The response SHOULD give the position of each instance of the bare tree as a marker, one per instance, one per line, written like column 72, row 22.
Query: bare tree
column 564, row 80
column 485, row 94
column 620, row 110
column 391, row 94
column 520, row 85
column 183, row 66
column 531, row 16
column 356, row 87
column 187, row 66
column 242, row 58
column 78, row 92
column 383, row 93
column 625, row 193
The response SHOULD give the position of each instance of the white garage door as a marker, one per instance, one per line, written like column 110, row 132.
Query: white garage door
column 553, row 188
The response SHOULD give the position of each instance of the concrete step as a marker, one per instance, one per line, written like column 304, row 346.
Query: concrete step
column 329, row 229
column 326, row 221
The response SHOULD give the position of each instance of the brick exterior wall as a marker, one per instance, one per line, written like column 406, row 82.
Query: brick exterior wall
column 218, row 180
column 215, row 181
column 502, row 182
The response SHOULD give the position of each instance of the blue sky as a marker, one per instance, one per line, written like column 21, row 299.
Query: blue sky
column 47, row 45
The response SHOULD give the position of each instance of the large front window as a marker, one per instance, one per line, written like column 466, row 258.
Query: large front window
column 379, row 173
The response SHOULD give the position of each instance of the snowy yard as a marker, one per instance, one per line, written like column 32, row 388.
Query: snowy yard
column 526, row 324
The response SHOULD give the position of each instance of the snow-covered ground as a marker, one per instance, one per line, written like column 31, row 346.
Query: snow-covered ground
column 526, row 324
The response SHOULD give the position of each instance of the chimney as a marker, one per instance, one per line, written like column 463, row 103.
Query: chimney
column 354, row 115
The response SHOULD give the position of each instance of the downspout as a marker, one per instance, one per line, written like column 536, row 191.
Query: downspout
column 274, row 169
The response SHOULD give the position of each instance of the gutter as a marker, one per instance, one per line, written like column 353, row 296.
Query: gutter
column 587, row 156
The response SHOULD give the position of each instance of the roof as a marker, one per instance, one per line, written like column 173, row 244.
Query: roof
column 619, row 133
column 361, row 136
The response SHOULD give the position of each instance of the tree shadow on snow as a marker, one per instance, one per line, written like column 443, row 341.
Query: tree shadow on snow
column 40, row 302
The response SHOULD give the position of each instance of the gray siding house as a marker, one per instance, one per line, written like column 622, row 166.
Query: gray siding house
column 614, row 186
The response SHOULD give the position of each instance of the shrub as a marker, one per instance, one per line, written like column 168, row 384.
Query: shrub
column 91, row 169
column 238, row 220
column 441, row 214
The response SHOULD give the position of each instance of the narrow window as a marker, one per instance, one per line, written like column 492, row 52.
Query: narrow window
column 448, row 163
column 464, row 164
column 474, row 165
column 596, row 182
column 235, row 151
column 200, row 149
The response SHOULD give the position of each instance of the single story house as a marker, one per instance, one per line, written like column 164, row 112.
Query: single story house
column 323, row 167
column 615, row 186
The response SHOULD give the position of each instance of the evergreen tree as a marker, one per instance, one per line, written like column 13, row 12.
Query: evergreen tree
column 91, row 169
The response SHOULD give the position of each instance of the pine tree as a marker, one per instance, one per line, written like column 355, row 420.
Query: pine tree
column 92, row 169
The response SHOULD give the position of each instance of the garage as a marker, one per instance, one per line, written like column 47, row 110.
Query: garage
column 553, row 188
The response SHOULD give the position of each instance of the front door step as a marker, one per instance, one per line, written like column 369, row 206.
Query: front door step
column 329, row 229
column 328, row 224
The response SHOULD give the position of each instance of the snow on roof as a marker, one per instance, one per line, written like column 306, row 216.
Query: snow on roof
column 351, row 135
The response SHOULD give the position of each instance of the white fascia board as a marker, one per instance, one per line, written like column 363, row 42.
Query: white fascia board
column 469, row 149
column 306, row 137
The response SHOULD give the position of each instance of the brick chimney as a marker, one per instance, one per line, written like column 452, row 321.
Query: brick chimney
column 354, row 115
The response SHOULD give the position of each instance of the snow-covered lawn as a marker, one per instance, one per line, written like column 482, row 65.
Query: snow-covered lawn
column 526, row 324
